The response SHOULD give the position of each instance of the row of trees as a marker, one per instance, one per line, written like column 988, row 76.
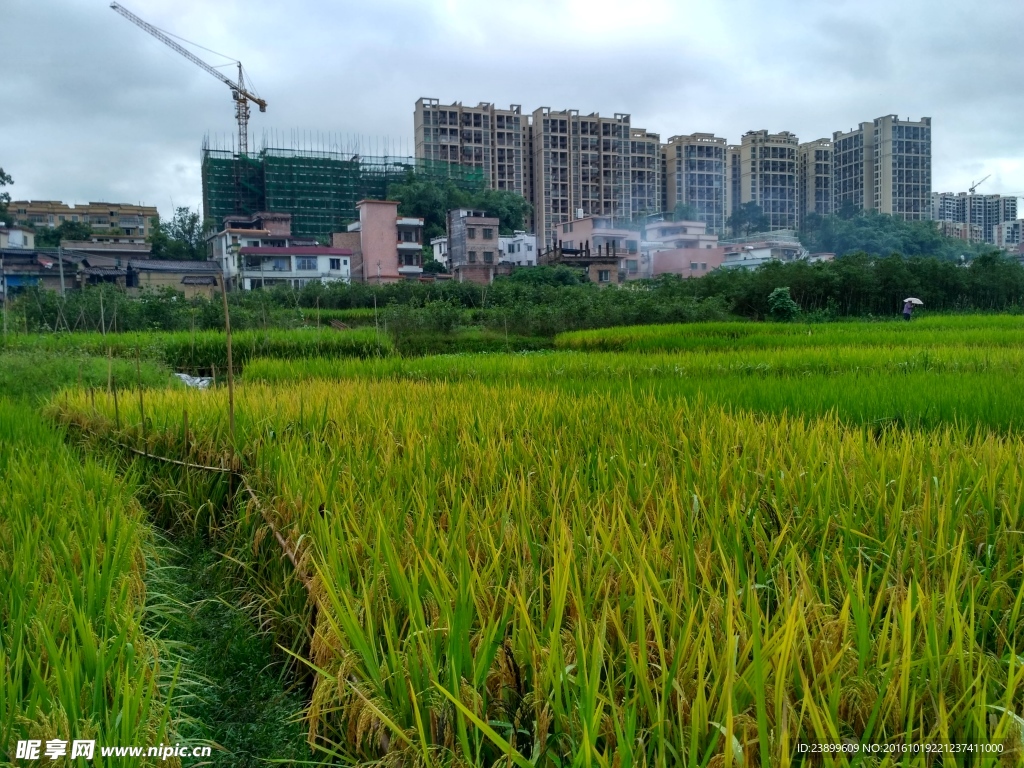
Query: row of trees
column 547, row 300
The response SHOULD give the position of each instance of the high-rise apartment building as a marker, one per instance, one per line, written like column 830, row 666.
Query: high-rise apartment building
column 768, row 176
column 695, row 174
column 484, row 137
column 733, row 175
column 584, row 165
column 853, row 169
column 986, row 212
column 566, row 164
column 884, row 165
column 644, row 172
column 903, row 167
column 814, row 178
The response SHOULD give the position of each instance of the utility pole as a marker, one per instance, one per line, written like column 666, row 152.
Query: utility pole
column 3, row 283
column 60, row 261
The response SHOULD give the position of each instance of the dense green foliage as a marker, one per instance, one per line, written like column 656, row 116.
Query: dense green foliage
column 5, row 196
column 432, row 201
column 882, row 235
column 35, row 374
column 181, row 239
column 51, row 237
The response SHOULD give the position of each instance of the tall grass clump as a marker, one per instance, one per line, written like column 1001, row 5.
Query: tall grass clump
column 74, row 661
column 508, row 573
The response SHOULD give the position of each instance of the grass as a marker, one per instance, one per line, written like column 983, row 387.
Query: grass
column 35, row 375
column 243, row 704
column 612, row 575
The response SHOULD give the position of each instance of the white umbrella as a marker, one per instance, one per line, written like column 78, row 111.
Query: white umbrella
column 912, row 300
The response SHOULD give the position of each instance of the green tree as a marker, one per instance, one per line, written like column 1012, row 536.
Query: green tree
column 684, row 212
column 781, row 306
column 748, row 219
column 5, row 197
column 511, row 209
column 181, row 238
column 51, row 237
column 430, row 202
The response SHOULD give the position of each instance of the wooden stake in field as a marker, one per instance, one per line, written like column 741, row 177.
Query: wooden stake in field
column 110, row 371
column 231, row 373
column 117, row 412
column 142, row 408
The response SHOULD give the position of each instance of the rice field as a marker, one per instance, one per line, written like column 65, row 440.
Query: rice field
column 918, row 386
column 640, row 558
column 943, row 330
column 74, row 661
column 199, row 351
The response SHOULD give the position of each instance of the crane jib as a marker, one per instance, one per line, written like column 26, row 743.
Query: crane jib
column 238, row 91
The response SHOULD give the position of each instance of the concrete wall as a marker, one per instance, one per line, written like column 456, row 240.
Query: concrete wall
column 379, row 238
column 156, row 280
column 680, row 261
column 352, row 241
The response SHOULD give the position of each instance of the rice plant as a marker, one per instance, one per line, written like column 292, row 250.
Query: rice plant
column 506, row 572
column 74, row 661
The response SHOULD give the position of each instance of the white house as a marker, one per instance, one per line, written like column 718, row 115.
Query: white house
column 440, row 247
column 266, row 266
column 519, row 249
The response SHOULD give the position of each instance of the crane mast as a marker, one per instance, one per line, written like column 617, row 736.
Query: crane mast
column 239, row 94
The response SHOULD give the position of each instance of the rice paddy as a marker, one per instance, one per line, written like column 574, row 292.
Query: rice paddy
column 74, row 661
column 700, row 549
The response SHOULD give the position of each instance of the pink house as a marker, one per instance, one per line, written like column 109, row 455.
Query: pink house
column 386, row 247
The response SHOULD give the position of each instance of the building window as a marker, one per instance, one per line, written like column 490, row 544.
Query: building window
column 305, row 263
column 604, row 276
column 335, row 265
column 488, row 233
column 488, row 257
column 632, row 266
column 345, row 262
column 472, row 257
column 471, row 233
column 704, row 265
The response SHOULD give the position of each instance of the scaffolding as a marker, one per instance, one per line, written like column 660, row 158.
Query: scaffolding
column 319, row 188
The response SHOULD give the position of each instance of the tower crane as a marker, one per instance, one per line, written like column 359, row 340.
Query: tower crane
column 977, row 184
column 239, row 94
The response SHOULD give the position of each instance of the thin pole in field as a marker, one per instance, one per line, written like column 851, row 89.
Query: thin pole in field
column 103, row 321
column 3, row 279
column 110, row 370
column 117, row 412
column 142, row 408
column 231, row 373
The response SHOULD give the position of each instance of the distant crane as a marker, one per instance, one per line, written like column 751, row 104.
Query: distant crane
column 977, row 184
column 239, row 94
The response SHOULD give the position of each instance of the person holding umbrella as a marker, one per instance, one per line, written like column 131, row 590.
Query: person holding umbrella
column 908, row 306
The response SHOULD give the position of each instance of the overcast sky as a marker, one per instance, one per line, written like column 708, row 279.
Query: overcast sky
column 93, row 108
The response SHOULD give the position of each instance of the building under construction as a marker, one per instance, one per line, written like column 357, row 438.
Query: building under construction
column 318, row 188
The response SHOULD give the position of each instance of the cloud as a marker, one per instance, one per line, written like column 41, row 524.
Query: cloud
column 101, row 110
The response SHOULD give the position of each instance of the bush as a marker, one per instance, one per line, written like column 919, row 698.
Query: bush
column 781, row 306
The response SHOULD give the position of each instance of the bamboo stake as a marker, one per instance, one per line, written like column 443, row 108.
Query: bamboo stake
column 142, row 407
column 231, row 376
column 117, row 412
